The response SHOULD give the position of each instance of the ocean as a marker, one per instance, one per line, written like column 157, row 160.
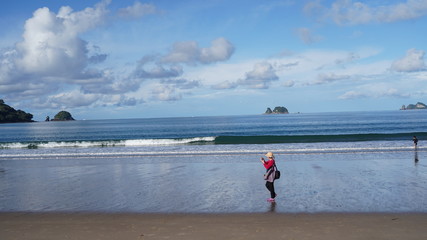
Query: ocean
column 329, row 161
column 344, row 131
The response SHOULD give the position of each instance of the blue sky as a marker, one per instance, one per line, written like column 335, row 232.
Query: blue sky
column 135, row 59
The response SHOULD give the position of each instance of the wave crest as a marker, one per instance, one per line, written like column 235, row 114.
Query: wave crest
column 111, row 143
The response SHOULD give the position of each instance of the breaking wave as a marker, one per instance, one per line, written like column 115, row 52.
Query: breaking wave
column 219, row 140
column 106, row 143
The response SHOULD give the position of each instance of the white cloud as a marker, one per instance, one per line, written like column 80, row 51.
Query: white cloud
column 234, row 75
column 353, row 95
column 137, row 10
column 375, row 90
column 349, row 12
column 7, row 67
column 412, row 62
column 220, row 50
column 49, row 48
column 70, row 99
column 162, row 72
column 158, row 71
column 348, row 59
column 225, row 85
column 304, row 69
column 127, row 101
column 260, row 77
column 165, row 93
column 289, row 83
column 52, row 49
column 324, row 78
column 190, row 53
column 53, row 58
column 168, row 90
column 82, row 21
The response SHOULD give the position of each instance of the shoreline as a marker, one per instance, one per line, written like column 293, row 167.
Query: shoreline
column 142, row 226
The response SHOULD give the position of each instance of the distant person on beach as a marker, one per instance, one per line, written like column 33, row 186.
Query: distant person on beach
column 415, row 139
column 269, row 176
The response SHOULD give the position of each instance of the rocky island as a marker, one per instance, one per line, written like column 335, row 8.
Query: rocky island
column 63, row 116
column 418, row 105
column 277, row 110
column 9, row 115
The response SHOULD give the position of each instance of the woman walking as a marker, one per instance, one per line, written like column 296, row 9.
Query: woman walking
column 415, row 139
column 269, row 176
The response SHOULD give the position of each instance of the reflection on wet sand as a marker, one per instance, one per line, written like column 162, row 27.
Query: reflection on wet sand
column 273, row 207
column 416, row 156
column 339, row 182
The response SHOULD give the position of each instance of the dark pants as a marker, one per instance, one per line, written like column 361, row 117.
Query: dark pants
column 270, row 187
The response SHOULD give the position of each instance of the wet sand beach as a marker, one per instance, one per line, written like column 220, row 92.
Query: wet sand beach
column 212, row 226
column 310, row 183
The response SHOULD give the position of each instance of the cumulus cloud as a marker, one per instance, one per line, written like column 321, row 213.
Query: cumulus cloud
column 171, row 89
column 52, row 58
column 220, row 50
column 260, row 77
column 167, row 70
column 127, row 101
column 110, row 85
column 137, row 10
column 166, row 93
column 349, row 12
column 51, row 52
column 190, row 53
column 158, row 71
column 71, row 99
column 54, row 66
column 412, row 62
column 51, row 44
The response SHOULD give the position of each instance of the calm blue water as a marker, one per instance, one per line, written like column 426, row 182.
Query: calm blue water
column 344, row 131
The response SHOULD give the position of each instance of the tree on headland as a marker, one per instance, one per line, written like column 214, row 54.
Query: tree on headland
column 63, row 116
column 9, row 115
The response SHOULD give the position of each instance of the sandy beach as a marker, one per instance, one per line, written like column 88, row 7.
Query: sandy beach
column 212, row 226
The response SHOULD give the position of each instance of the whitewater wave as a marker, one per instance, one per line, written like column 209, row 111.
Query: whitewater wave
column 112, row 143
column 218, row 140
